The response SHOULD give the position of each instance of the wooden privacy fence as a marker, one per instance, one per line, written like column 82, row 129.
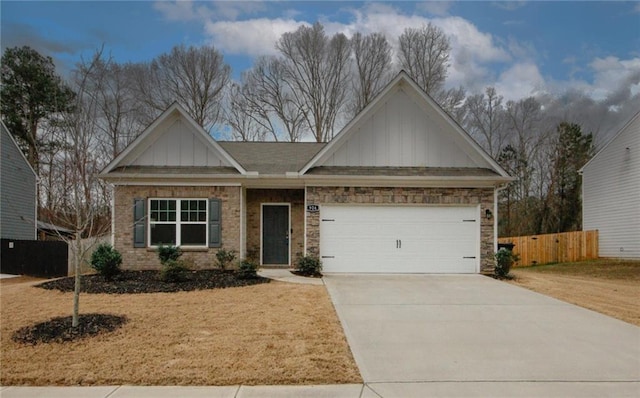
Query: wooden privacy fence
column 554, row 248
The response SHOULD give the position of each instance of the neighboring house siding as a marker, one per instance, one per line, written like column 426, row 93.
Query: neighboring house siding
column 611, row 194
column 402, row 197
column 17, row 192
column 146, row 258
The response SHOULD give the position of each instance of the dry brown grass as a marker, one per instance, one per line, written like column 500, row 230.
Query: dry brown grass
column 611, row 287
column 275, row 333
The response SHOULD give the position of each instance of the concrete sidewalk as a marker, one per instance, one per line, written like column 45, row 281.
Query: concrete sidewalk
column 328, row 391
column 523, row 389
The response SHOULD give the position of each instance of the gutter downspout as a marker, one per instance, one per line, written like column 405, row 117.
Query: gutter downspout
column 113, row 215
column 495, row 214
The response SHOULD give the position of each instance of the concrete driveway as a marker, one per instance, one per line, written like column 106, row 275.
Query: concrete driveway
column 470, row 335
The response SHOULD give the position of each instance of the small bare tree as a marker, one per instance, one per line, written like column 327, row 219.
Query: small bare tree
column 86, row 211
column 316, row 71
column 424, row 54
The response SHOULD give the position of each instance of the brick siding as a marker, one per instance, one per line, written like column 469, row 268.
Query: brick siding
column 145, row 258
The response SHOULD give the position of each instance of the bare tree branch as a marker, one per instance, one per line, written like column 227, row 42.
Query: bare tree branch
column 424, row 55
column 316, row 71
column 372, row 54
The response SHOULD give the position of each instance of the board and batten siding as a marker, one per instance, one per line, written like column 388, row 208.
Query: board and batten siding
column 179, row 145
column 17, row 191
column 401, row 133
column 611, row 194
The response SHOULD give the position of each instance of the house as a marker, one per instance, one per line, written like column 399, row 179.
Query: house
column 18, row 206
column 611, row 193
column 48, row 231
column 401, row 188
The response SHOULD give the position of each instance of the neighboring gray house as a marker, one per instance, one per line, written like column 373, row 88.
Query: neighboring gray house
column 17, row 191
column 611, row 193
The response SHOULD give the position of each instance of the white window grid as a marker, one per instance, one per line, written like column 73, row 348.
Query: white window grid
column 178, row 222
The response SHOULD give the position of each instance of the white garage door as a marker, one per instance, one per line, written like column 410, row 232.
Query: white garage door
column 400, row 239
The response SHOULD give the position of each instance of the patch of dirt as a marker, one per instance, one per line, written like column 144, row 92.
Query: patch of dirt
column 617, row 298
column 59, row 330
column 133, row 282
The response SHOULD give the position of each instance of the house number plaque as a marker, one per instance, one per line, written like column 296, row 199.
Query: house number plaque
column 313, row 208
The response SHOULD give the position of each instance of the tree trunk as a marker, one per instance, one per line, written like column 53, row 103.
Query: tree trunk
column 76, row 290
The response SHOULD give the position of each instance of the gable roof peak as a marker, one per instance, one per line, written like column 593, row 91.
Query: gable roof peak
column 150, row 135
column 426, row 104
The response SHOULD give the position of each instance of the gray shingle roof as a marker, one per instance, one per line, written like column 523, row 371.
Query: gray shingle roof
column 175, row 170
column 403, row 171
column 272, row 157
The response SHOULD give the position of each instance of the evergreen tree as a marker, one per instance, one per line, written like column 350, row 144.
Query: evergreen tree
column 30, row 92
column 572, row 150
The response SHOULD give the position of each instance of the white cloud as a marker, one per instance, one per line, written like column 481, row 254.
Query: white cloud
column 176, row 11
column 611, row 73
column 471, row 50
column 520, row 81
column 252, row 37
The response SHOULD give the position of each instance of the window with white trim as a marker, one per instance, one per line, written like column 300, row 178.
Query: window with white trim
column 179, row 222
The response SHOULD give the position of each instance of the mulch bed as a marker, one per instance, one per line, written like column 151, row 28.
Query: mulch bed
column 307, row 275
column 59, row 330
column 131, row 282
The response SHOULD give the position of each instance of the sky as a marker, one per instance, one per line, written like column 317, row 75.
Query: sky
column 521, row 48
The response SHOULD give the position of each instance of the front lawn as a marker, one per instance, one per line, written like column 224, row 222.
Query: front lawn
column 611, row 287
column 273, row 333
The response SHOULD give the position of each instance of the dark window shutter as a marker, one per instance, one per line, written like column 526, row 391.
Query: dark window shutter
column 215, row 223
column 139, row 223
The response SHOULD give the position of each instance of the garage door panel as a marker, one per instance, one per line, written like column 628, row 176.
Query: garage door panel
column 399, row 239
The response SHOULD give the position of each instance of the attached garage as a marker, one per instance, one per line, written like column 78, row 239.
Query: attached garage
column 400, row 239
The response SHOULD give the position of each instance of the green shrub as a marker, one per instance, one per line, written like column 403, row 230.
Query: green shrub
column 247, row 269
column 106, row 261
column 225, row 258
column 174, row 271
column 504, row 260
column 309, row 265
column 167, row 253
